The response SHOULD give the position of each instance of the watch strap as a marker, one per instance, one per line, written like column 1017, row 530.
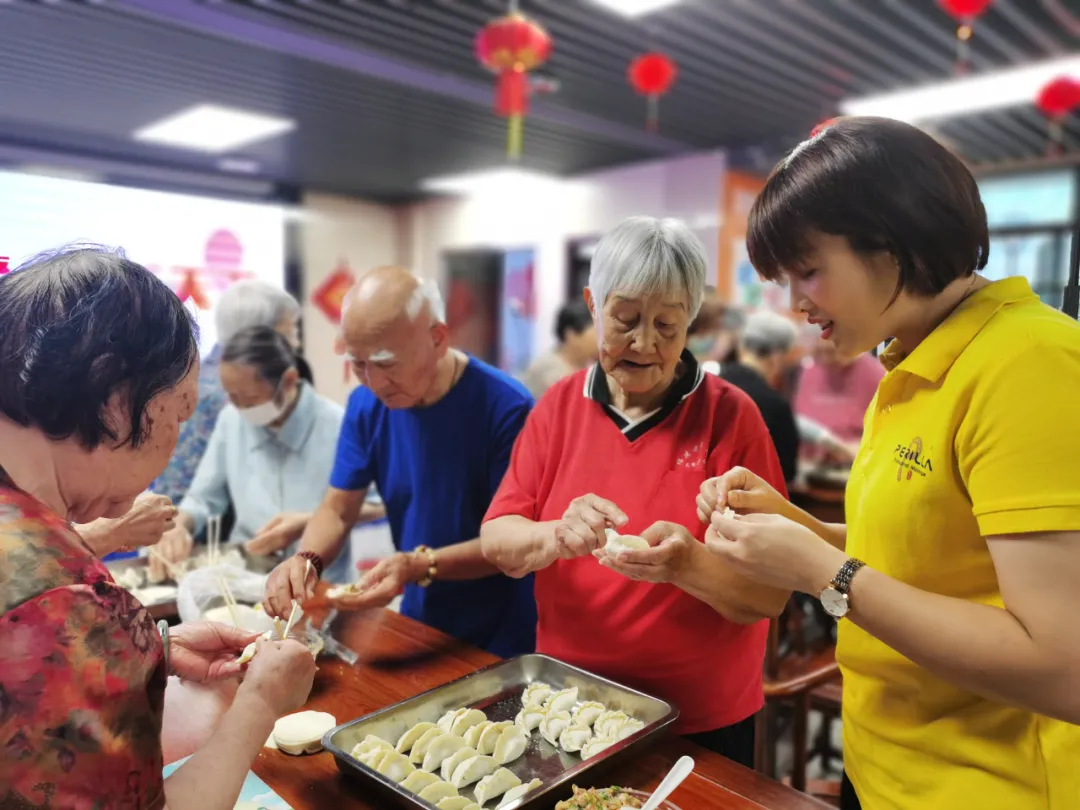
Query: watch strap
column 842, row 580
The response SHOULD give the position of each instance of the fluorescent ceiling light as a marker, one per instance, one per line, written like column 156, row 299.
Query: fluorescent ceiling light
column 493, row 181
column 210, row 128
column 964, row 96
column 636, row 8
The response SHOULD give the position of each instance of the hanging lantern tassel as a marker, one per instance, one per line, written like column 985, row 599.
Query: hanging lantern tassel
column 652, row 75
column 511, row 46
column 1057, row 100
column 965, row 12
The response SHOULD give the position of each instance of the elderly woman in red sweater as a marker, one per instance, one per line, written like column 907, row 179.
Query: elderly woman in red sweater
column 626, row 445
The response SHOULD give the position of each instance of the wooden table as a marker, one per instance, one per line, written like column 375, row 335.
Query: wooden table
column 400, row 658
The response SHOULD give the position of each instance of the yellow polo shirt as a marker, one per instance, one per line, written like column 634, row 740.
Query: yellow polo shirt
column 975, row 433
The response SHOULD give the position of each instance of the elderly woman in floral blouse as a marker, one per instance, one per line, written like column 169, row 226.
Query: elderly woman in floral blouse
column 98, row 364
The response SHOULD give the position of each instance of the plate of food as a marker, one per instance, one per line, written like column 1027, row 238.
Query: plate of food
column 609, row 798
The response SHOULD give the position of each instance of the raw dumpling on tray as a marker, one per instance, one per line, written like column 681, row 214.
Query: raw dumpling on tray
column 495, row 785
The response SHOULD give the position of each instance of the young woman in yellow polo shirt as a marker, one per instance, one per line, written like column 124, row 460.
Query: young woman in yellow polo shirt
column 957, row 576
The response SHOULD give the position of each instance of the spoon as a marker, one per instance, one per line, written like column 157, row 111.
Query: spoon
column 675, row 777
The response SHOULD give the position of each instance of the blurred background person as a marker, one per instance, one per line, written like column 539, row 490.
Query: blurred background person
column 271, row 452
column 764, row 344
column 831, row 399
column 245, row 304
column 576, row 348
column 713, row 336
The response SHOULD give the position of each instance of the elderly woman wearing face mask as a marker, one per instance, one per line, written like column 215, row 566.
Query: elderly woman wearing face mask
column 271, row 452
column 626, row 445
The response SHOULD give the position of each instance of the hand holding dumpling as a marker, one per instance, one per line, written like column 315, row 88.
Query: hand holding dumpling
column 741, row 490
column 583, row 527
column 670, row 548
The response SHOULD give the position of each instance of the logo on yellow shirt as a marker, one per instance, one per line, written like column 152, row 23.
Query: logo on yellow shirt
column 912, row 460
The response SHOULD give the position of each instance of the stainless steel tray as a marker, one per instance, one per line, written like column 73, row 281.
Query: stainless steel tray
column 496, row 691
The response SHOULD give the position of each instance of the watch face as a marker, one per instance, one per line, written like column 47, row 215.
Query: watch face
column 834, row 602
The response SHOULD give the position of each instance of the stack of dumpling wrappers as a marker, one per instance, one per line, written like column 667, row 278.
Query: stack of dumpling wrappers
column 437, row 760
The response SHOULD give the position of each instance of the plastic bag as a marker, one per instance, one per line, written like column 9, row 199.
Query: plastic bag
column 200, row 593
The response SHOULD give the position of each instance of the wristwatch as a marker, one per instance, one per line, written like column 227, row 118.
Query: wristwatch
column 834, row 596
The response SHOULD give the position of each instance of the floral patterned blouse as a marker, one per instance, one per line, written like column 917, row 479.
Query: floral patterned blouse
column 82, row 675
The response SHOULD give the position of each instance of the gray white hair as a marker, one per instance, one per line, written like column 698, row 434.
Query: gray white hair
column 767, row 333
column 426, row 292
column 644, row 255
column 250, row 303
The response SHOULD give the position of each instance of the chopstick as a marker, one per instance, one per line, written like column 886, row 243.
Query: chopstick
column 293, row 618
column 230, row 600
column 213, row 539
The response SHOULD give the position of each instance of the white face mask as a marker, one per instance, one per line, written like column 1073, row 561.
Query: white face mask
column 263, row 415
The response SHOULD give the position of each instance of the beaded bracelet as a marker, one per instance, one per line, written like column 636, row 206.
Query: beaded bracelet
column 315, row 560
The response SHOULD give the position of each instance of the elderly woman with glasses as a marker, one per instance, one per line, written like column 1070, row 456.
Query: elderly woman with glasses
column 98, row 373
column 626, row 445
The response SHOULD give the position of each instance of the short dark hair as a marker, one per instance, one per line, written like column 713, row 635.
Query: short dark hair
column 262, row 348
column 885, row 186
column 573, row 317
column 79, row 325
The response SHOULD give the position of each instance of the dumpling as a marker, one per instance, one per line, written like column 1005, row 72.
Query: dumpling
column 472, row 736
column 447, row 720
column 441, row 747
column 623, row 542
column 418, row 780
column 368, row 744
column 409, row 738
column 463, row 722
column 511, row 745
column 514, row 794
column 395, row 766
column 450, row 764
column 374, row 757
column 453, row 803
column 561, row 701
column 495, row 785
column 437, row 791
column 472, row 769
column 553, row 726
column 490, row 738
column 574, row 737
column 595, row 746
column 529, row 719
column 535, row 694
column 421, row 746
column 587, row 712
column 609, row 722
column 629, row 729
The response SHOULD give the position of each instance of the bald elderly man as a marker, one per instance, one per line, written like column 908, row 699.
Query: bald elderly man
column 433, row 428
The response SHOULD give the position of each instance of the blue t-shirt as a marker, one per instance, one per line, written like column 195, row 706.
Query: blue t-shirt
column 437, row 469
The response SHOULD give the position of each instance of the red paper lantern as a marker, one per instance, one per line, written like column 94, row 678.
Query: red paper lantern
column 964, row 12
column 1057, row 100
column 652, row 75
column 511, row 46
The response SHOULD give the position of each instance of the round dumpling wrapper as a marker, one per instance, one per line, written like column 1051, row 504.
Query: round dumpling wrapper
column 302, row 732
